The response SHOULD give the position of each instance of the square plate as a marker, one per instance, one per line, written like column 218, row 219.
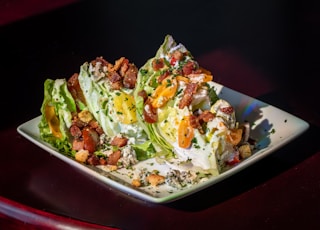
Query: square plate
column 272, row 128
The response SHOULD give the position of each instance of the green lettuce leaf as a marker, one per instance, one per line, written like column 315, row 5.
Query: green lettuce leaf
column 56, row 115
column 144, row 150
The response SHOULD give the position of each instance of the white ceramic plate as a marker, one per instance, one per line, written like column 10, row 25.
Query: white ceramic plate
column 272, row 128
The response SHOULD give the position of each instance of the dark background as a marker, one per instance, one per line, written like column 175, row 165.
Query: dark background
column 277, row 38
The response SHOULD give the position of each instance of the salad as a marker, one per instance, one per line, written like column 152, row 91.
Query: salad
column 117, row 115
column 92, row 116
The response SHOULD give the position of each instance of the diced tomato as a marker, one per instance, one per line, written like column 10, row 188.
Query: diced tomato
column 234, row 160
column 173, row 61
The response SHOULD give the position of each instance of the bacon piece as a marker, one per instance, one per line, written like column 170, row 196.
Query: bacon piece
column 197, row 121
column 206, row 116
column 157, row 64
column 95, row 125
column 119, row 141
column 189, row 67
column 143, row 94
column 101, row 60
column 75, row 131
column 177, row 54
column 77, row 144
column 77, row 122
column 130, row 77
column 187, row 96
column 115, row 77
column 91, row 139
column 124, row 67
column 93, row 160
column 115, row 80
column 163, row 76
column 118, row 64
column 227, row 110
column 73, row 86
column 116, row 85
column 194, row 121
column 114, row 157
column 103, row 161
column 149, row 112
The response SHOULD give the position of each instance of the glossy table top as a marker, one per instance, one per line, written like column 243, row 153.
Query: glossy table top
column 264, row 50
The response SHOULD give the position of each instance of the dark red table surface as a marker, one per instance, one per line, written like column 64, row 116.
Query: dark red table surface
column 264, row 49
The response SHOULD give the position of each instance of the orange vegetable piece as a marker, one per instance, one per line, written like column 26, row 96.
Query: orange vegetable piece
column 208, row 75
column 185, row 133
column 164, row 92
column 207, row 78
column 53, row 121
column 234, row 137
column 182, row 78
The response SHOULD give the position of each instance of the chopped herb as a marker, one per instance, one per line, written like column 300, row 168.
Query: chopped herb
column 179, row 91
column 143, row 71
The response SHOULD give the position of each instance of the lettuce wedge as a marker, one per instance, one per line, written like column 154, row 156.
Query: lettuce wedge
column 180, row 111
column 57, row 108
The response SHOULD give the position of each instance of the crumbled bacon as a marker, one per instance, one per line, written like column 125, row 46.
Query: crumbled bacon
column 130, row 77
column 121, row 74
column 194, row 121
column 75, row 131
column 114, row 77
column 149, row 112
column 197, row 121
column 187, row 96
column 75, row 89
column 143, row 94
column 157, row 64
column 93, row 160
column 227, row 110
column 96, row 126
column 206, row 116
column 124, row 67
column 163, row 76
column 177, row 55
column 119, row 141
column 101, row 60
column 189, row 68
column 114, row 157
